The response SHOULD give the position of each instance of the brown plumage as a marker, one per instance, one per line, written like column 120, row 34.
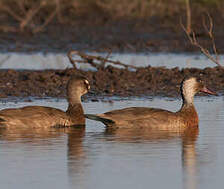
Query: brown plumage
column 158, row 118
column 40, row 116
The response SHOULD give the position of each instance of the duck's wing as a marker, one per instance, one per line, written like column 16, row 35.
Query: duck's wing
column 34, row 116
column 132, row 115
column 136, row 113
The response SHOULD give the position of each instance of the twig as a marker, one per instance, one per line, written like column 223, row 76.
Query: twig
column 11, row 12
column 30, row 14
column 58, row 10
column 70, row 53
column 8, row 28
column 47, row 21
column 188, row 14
column 86, row 59
column 26, row 17
column 106, row 58
column 21, row 5
column 193, row 40
column 3, row 60
column 90, row 59
column 210, row 33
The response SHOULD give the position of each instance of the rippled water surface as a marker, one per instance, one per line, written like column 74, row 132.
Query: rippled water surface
column 98, row 158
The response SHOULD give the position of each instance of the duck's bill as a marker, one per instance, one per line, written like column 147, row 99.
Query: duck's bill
column 208, row 91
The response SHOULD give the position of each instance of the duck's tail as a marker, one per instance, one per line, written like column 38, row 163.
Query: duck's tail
column 98, row 118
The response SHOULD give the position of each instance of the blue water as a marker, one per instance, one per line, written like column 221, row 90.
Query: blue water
column 97, row 158
column 40, row 61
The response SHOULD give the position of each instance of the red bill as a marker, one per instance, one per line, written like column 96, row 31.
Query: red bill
column 206, row 90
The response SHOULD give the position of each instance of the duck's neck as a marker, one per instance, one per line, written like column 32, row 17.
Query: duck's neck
column 74, row 98
column 189, row 113
column 76, row 113
column 188, row 107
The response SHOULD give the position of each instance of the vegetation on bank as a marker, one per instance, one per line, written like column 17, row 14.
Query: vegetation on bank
column 36, row 15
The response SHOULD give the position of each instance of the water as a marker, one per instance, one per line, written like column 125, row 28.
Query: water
column 98, row 158
column 39, row 61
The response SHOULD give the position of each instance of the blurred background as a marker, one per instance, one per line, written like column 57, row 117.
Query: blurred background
column 99, row 25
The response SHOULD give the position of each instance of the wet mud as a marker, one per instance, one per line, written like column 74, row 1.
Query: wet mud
column 109, row 81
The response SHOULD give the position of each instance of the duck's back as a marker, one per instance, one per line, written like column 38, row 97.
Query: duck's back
column 133, row 112
column 33, row 116
column 142, row 117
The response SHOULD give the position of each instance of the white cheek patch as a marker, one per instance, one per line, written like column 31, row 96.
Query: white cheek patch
column 87, row 83
column 189, row 85
column 189, row 89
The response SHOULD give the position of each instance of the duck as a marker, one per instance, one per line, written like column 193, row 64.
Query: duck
column 155, row 118
column 43, row 117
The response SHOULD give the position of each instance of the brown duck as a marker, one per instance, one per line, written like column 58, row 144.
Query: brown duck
column 158, row 118
column 40, row 116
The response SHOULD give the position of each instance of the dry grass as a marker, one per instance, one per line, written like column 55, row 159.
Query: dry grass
column 35, row 15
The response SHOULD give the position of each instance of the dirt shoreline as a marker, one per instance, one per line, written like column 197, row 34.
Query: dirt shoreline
column 109, row 81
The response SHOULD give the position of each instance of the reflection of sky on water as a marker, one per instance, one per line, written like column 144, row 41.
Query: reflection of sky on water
column 96, row 158
column 39, row 61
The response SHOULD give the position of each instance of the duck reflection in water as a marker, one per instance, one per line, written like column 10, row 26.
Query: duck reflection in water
column 82, row 157
column 43, row 136
column 36, row 140
column 188, row 146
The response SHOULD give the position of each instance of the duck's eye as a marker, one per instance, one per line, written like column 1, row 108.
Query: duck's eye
column 199, row 80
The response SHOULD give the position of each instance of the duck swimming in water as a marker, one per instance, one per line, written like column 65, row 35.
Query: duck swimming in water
column 41, row 116
column 158, row 118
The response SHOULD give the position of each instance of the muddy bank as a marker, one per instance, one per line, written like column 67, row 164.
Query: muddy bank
column 109, row 81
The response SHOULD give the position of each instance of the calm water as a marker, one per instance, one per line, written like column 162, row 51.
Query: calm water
column 97, row 158
column 40, row 61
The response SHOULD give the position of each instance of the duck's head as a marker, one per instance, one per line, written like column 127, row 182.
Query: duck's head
column 76, row 87
column 192, row 85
